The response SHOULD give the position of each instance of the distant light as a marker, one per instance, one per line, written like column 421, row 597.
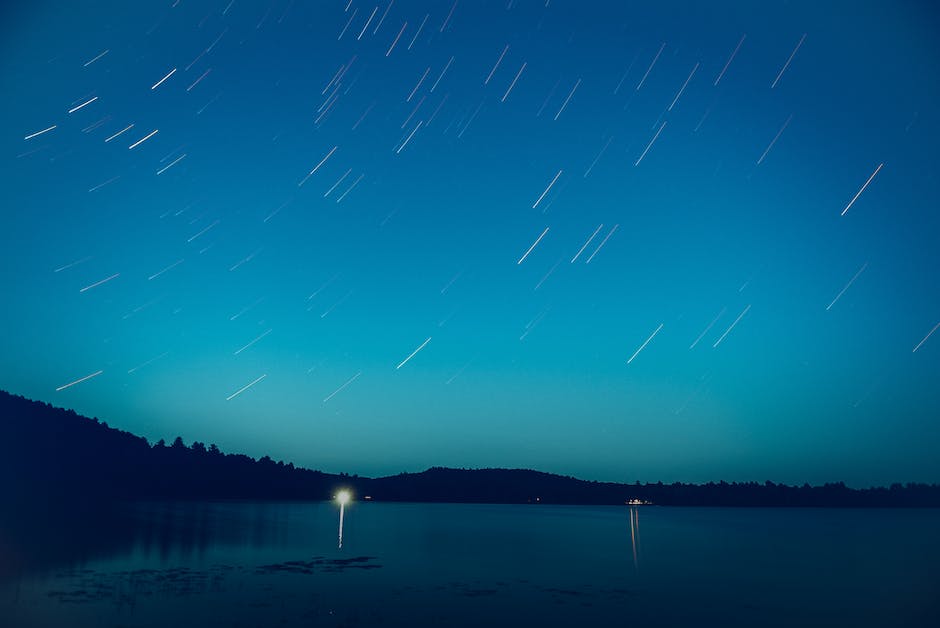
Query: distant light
column 343, row 497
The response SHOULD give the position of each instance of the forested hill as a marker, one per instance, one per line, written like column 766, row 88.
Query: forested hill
column 47, row 451
column 50, row 454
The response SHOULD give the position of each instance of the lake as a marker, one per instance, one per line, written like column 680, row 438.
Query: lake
column 279, row 564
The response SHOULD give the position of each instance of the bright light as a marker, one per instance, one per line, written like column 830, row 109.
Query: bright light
column 342, row 497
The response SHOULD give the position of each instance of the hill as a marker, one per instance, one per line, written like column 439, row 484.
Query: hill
column 49, row 455
column 56, row 453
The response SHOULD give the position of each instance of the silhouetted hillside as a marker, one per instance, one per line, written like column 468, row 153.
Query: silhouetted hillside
column 497, row 486
column 525, row 486
column 48, row 455
column 57, row 454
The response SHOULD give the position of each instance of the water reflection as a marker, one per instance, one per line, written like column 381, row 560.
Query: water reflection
column 231, row 563
column 342, row 498
column 41, row 541
column 635, row 535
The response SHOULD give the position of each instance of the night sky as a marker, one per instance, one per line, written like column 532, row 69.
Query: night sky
column 314, row 238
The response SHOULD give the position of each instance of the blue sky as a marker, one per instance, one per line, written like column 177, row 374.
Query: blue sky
column 527, row 363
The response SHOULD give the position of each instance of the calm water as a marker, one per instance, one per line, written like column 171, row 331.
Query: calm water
column 245, row 564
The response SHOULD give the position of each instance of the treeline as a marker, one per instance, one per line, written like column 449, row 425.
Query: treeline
column 525, row 486
column 49, row 455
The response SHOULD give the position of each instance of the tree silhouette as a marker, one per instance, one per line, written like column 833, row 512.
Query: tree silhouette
column 56, row 456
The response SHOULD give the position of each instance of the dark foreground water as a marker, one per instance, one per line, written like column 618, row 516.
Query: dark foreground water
column 247, row 564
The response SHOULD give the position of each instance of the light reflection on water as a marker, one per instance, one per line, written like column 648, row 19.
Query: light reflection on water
column 463, row 565
column 635, row 535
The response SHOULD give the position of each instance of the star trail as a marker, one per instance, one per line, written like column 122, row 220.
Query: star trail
column 202, row 199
